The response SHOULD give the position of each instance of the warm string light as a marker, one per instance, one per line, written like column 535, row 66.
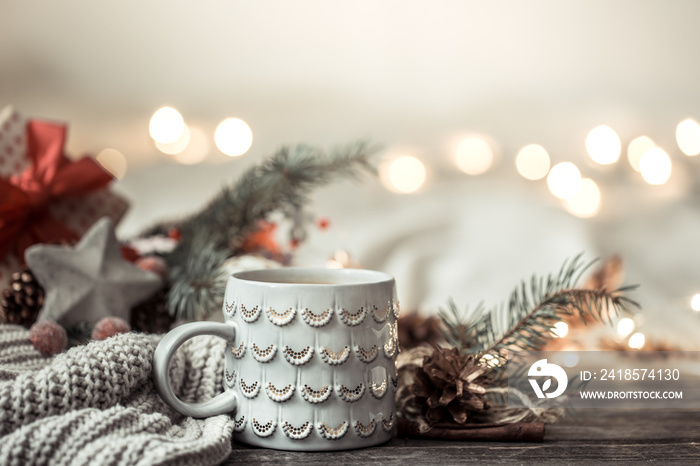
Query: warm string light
column 688, row 137
column 636, row 341
column 564, row 180
column 113, row 161
column 655, row 166
column 177, row 146
column 233, row 137
column 532, row 162
column 636, row 148
column 189, row 145
column 560, row 330
column 625, row 327
column 404, row 174
column 166, row 125
column 695, row 303
column 474, row 156
column 586, row 202
column 603, row 145
column 197, row 149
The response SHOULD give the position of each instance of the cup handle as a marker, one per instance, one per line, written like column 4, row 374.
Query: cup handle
column 226, row 402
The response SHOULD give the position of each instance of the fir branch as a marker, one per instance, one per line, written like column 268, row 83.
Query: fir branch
column 525, row 324
column 281, row 183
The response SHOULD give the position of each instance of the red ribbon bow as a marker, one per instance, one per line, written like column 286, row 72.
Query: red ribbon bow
column 24, row 199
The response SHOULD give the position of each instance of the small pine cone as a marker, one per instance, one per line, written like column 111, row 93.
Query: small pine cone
column 416, row 329
column 21, row 303
column 450, row 387
column 151, row 316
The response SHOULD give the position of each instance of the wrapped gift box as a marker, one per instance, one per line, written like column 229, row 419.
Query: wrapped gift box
column 76, row 213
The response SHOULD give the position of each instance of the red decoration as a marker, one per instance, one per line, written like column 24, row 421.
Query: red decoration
column 129, row 254
column 108, row 327
column 175, row 234
column 323, row 223
column 48, row 337
column 262, row 239
column 24, row 199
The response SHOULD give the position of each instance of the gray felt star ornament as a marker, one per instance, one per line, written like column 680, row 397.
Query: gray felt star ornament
column 91, row 280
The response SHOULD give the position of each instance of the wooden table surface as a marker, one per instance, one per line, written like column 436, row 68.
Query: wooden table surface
column 596, row 437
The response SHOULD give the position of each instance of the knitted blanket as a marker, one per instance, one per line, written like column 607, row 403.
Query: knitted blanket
column 96, row 403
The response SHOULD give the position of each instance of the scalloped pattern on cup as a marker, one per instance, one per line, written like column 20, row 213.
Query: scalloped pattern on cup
column 249, row 391
column 390, row 348
column 380, row 315
column 239, row 424
column 388, row 424
column 316, row 396
column 230, row 378
column 378, row 391
column 279, row 394
column 230, row 308
column 366, row 356
column 297, row 433
column 353, row 319
column 250, row 315
column 365, row 430
column 350, row 395
column 395, row 307
column 335, row 358
column 332, row 433
column 298, row 358
column 280, row 318
column 239, row 352
column 316, row 320
column 263, row 355
column 263, row 430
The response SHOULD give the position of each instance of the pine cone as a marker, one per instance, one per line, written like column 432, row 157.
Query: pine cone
column 151, row 316
column 21, row 303
column 450, row 386
column 415, row 329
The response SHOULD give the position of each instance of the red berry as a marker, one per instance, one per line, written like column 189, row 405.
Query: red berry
column 48, row 337
column 108, row 327
column 174, row 233
column 323, row 223
column 153, row 264
column 129, row 254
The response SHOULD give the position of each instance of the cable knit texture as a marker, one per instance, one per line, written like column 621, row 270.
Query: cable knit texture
column 96, row 403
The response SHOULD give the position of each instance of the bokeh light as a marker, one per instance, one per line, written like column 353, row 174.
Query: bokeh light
column 404, row 174
column 166, row 125
column 113, row 161
column 688, row 137
column 564, row 180
column 532, row 162
column 233, row 137
column 636, row 341
column 176, row 146
column 695, row 303
column 474, row 156
column 560, row 329
column 603, row 145
column 197, row 150
column 585, row 203
column 636, row 148
column 655, row 166
column 625, row 327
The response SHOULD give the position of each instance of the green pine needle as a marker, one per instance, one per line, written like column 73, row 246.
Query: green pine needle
column 526, row 322
column 281, row 183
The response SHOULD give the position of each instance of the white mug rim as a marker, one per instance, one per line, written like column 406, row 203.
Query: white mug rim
column 340, row 277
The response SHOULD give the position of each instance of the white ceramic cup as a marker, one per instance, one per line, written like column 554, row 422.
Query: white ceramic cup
column 310, row 362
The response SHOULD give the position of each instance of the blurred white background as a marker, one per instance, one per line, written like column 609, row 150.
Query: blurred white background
column 417, row 78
